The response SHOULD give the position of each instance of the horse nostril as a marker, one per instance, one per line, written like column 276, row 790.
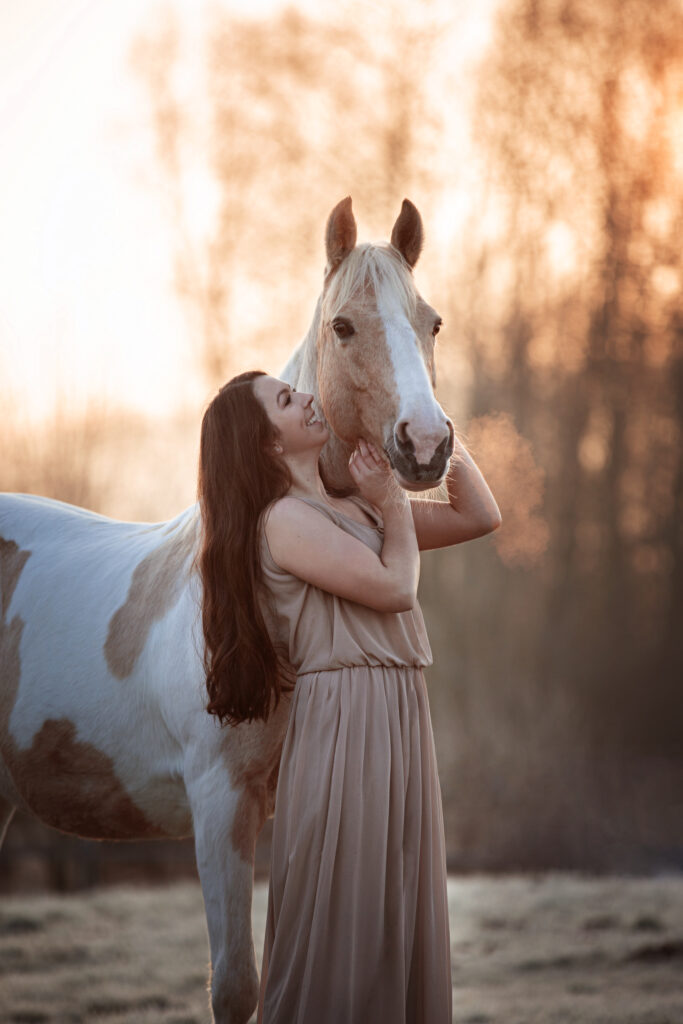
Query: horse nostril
column 404, row 442
column 402, row 432
column 445, row 448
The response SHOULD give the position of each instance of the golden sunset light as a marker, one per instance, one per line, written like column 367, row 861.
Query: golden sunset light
column 87, row 296
column 489, row 406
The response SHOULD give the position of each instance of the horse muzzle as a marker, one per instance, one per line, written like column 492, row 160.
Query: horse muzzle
column 419, row 476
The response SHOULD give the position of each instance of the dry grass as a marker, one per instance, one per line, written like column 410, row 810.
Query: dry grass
column 555, row 948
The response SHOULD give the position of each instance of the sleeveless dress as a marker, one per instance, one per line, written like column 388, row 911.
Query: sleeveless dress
column 357, row 925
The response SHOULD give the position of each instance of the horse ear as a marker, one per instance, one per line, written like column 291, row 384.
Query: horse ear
column 340, row 233
column 407, row 235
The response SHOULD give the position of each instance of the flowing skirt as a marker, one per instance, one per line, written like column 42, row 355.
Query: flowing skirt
column 357, row 928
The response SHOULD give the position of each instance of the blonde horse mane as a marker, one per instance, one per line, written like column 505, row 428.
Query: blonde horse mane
column 371, row 272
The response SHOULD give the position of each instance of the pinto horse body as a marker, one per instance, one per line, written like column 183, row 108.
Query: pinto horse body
column 103, row 727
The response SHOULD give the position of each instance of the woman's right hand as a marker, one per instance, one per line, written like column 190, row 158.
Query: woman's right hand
column 373, row 476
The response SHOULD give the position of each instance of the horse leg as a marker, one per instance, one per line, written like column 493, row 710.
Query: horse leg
column 6, row 811
column 227, row 878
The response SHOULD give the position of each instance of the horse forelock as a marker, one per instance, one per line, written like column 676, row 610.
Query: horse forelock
column 370, row 274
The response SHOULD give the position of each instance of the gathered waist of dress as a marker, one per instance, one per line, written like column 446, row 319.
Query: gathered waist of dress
column 340, row 666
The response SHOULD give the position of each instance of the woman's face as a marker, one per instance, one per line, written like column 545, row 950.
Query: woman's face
column 291, row 413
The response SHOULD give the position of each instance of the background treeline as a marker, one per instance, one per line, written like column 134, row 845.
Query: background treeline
column 558, row 644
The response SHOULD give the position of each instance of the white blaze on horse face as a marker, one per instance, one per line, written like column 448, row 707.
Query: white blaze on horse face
column 420, row 417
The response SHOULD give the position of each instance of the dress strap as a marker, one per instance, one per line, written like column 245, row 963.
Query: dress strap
column 369, row 509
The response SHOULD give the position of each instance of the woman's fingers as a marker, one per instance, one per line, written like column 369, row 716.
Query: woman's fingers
column 362, row 450
column 356, row 461
column 369, row 451
column 360, row 454
column 365, row 463
column 375, row 454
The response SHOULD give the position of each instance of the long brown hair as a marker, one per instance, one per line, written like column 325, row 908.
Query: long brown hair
column 239, row 475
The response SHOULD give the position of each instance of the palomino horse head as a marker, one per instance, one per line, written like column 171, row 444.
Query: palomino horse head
column 375, row 351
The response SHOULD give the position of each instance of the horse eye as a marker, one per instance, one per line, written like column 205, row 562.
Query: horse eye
column 343, row 328
column 437, row 327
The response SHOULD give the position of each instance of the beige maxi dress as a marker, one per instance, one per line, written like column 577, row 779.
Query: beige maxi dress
column 357, row 927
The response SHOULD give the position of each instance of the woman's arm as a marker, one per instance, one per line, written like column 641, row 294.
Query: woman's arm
column 307, row 544
column 471, row 510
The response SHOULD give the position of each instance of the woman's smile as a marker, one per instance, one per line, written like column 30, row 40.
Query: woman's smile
column 313, row 420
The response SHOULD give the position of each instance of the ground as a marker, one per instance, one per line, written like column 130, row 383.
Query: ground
column 547, row 949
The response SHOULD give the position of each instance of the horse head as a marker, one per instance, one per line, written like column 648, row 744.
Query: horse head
column 375, row 354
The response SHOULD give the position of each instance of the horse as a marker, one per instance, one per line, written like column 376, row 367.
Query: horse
column 103, row 725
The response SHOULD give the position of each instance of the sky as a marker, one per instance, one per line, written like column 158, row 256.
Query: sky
column 87, row 306
column 86, row 299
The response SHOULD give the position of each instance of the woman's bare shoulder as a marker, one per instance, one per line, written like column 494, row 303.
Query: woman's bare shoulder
column 290, row 511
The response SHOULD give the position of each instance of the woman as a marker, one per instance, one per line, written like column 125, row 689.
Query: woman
column 357, row 927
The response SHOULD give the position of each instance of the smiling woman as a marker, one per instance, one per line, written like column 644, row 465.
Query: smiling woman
column 315, row 593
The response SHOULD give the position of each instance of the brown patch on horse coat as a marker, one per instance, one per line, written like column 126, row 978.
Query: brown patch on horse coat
column 256, row 803
column 167, row 792
column 253, row 760
column 73, row 786
column 154, row 589
column 12, row 561
column 67, row 784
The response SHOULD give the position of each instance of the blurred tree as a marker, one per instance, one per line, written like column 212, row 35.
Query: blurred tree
column 298, row 112
column 577, row 251
column 58, row 457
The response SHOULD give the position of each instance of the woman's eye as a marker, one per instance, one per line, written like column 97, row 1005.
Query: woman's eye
column 437, row 327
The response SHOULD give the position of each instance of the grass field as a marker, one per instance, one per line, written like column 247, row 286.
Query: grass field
column 525, row 950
